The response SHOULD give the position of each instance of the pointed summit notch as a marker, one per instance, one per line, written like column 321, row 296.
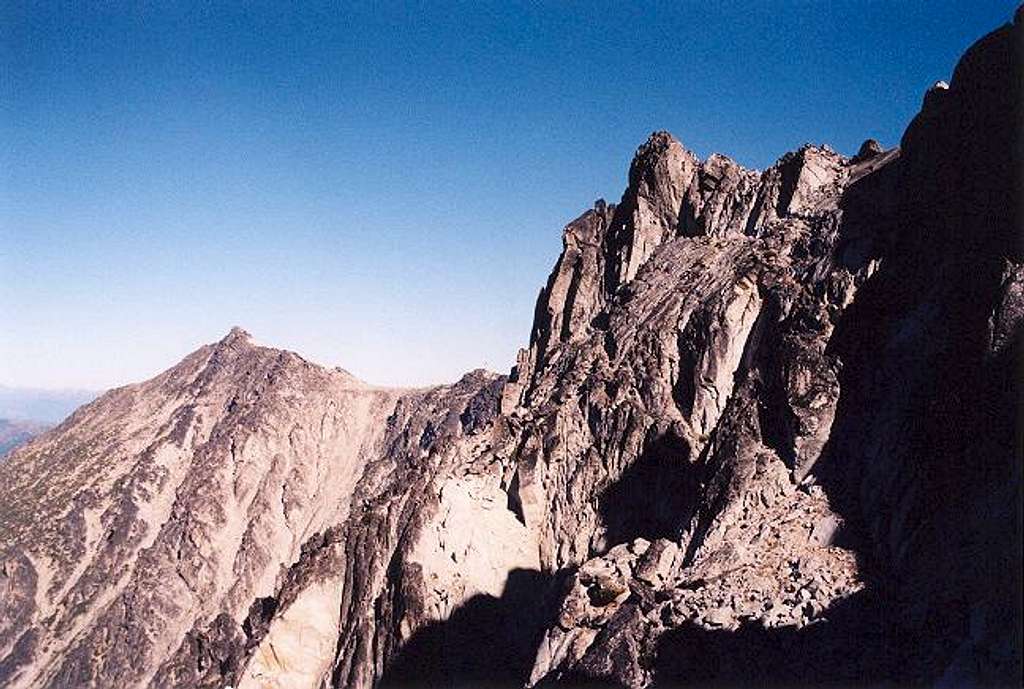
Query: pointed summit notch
column 236, row 336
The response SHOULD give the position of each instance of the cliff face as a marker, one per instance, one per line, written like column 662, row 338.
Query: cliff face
column 815, row 394
column 765, row 432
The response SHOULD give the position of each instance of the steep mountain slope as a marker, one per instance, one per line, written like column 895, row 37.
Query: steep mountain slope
column 832, row 362
column 174, row 499
column 765, row 432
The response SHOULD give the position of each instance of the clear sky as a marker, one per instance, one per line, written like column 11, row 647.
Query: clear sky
column 383, row 188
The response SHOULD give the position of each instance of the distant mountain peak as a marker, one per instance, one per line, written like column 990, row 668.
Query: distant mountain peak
column 764, row 433
column 237, row 336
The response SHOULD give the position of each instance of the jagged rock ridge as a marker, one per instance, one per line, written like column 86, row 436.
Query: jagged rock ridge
column 764, row 432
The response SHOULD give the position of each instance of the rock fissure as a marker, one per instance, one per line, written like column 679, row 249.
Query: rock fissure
column 764, row 432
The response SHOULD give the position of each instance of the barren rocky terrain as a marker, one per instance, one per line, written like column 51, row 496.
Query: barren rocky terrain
column 765, row 433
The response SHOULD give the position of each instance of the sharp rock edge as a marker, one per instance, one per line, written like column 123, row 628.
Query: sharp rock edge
column 764, row 432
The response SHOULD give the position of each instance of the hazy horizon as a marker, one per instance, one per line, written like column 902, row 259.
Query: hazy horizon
column 383, row 190
column 40, row 405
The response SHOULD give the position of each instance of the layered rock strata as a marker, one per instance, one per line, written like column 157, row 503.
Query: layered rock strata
column 765, row 431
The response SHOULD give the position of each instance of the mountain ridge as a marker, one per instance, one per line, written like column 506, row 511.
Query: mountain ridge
column 764, row 431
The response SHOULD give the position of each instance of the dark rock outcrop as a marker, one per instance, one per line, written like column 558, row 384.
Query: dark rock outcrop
column 874, row 401
column 766, row 432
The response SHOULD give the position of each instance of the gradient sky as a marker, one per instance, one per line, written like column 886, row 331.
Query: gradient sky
column 383, row 188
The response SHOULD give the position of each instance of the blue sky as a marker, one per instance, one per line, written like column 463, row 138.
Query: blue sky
column 383, row 188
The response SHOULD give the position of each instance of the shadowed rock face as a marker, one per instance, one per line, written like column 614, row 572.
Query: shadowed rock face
column 765, row 433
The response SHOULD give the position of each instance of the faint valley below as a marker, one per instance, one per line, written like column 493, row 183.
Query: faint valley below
column 764, row 431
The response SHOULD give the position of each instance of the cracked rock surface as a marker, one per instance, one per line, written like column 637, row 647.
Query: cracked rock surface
column 765, row 433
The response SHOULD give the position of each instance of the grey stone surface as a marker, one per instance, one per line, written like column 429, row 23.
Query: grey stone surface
column 764, row 432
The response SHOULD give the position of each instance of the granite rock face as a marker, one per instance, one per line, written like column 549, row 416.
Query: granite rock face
column 765, row 432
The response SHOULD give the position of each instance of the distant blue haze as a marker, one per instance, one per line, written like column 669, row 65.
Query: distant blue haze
column 382, row 186
column 41, row 406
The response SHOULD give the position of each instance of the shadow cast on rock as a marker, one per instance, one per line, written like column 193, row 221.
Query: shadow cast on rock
column 847, row 648
column 572, row 680
column 655, row 497
column 487, row 642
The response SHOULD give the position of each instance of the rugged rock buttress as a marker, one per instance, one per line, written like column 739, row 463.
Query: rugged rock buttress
column 766, row 431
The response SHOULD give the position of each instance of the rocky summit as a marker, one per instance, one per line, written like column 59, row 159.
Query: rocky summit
column 765, row 433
